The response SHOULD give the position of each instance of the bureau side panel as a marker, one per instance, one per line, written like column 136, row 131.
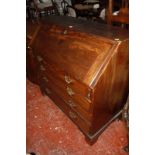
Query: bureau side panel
column 111, row 90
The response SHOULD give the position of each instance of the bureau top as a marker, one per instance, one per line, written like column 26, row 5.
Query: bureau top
column 94, row 28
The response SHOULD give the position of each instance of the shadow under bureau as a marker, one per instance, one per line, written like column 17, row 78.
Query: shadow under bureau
column 82, row 66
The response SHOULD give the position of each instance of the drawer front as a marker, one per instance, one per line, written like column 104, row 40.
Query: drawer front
column 64, row 87
column 49, row 82
column 75, row 117
column 76, row 85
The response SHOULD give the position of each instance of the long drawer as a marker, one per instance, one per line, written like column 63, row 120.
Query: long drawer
column 75, row 84
column 74, row 116
column 50, row 82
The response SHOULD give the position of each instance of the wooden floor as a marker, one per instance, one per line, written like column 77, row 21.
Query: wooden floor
column 50, row 132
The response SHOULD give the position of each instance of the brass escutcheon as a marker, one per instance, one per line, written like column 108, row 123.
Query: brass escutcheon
column 65, row 32
column 89, row 94
column 29, row 48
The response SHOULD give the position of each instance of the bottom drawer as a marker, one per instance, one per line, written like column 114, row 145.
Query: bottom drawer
column 82, row 124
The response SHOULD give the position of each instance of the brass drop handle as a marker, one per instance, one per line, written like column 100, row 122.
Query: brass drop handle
column 70, row 91
column 71, row 104
column 45, row 79
column 42, row 68
column 72, row 115
column 47, row 91
column 39, row 58
column 68, row 79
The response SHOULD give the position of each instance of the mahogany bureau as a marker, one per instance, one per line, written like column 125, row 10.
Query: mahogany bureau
column 82, row 66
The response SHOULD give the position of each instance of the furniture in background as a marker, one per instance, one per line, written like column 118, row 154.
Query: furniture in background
column 83, row 67
column 46, row 7
column 88, row 9
column 64, row 5
column 39, row 8
column 119, row 16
